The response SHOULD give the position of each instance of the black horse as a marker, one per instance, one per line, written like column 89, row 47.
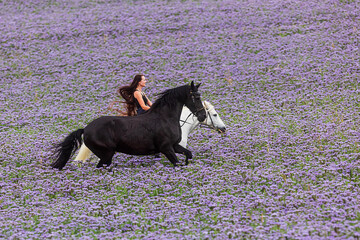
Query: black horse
column 157, row 130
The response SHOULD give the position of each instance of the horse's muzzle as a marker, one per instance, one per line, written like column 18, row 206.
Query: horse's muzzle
column 221, row 130
column 201, row 117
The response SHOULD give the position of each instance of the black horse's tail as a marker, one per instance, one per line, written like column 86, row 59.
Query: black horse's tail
column 65, row 149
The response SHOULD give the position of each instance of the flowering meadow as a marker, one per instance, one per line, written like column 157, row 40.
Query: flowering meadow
column 283, row 76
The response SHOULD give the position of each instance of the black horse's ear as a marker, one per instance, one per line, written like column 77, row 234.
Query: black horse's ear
column 192, row 85
column 197, row 86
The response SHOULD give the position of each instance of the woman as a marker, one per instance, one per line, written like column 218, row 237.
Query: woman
column 135, row 99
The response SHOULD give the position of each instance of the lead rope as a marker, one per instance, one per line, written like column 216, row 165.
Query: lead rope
column 185, row 120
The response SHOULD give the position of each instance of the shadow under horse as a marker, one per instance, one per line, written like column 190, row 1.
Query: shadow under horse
column 157, row 130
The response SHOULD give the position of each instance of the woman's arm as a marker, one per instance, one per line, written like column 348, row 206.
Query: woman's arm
column 149, row 102
column 139, row 98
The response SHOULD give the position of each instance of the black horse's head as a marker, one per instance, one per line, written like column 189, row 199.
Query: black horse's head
column 194, row 103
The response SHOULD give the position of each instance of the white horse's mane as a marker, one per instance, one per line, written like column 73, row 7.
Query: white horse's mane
column 208, row 106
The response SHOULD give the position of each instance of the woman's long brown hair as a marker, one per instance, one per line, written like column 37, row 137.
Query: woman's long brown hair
column 127, row 92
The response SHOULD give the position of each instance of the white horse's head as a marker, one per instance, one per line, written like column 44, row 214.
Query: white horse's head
column 212, row 118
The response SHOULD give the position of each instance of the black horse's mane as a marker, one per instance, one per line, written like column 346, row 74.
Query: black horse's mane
column 171, row 96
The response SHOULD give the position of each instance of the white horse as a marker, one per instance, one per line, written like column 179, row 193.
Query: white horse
column 188, row 123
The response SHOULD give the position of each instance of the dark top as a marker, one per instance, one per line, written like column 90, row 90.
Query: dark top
column 139, row 109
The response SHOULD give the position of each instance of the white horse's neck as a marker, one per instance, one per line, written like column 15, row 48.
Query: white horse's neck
column 188, row 121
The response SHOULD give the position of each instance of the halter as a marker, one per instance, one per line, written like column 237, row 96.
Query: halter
column 212, row 122
column 196, row 109
column 201, row 124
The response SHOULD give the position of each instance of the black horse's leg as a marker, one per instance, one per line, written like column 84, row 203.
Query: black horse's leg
column 106, row 159
column 105, row 156
column 170, row 154
column 180, row 149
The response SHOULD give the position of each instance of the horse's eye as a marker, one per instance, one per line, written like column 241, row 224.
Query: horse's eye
column 215, row 115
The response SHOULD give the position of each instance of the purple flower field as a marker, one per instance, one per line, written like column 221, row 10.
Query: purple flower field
column 283, row 75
